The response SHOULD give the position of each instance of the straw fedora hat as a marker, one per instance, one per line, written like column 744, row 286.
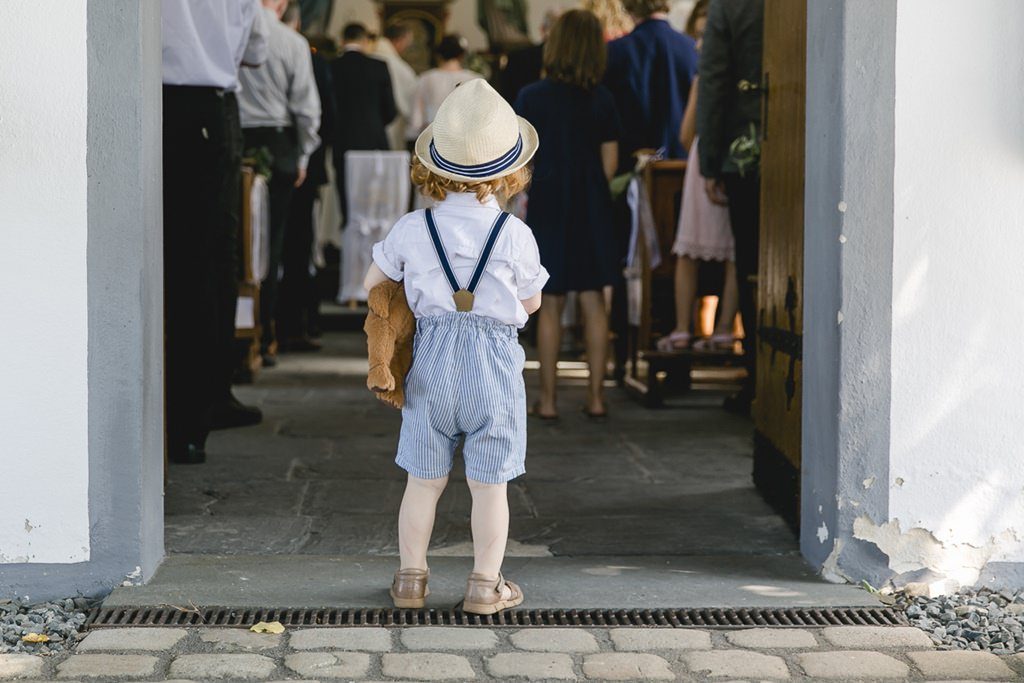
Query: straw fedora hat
column 476, row 136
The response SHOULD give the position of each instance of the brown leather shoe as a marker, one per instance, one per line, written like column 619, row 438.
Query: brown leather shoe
column 483, row 595
column 409, row 588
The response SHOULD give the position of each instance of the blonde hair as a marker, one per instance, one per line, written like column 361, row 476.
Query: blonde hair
column 437, row 187
column 613, row 17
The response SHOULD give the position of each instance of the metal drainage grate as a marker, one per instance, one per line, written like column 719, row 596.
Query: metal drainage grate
column 670, row 618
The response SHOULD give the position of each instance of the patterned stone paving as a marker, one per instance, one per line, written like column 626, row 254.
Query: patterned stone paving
column 459, row 654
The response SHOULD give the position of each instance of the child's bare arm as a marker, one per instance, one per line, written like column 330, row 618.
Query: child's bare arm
column 532, row 304
column 374, row 277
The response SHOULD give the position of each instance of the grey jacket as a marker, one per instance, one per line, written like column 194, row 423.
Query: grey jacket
column 731, row 53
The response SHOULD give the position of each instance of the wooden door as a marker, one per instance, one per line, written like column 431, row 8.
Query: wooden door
column 777, row 413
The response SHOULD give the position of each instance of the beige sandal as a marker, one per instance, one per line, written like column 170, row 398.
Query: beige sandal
column 483, row 595
column 409, row 589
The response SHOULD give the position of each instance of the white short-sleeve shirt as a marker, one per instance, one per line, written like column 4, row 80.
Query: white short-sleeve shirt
column 513, row 273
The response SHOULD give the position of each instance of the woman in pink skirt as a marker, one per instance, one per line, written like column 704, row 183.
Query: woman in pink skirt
column 704, row 234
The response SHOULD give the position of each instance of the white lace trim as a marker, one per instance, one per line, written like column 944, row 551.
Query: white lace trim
column 704, row 252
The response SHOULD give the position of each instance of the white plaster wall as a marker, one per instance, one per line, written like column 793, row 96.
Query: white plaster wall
column 463, row 16
column 957, row 442
column 44, row 463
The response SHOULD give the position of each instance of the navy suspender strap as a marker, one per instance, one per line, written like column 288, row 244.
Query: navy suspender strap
column 485, row 255
column 442, row 256
column 481, row 263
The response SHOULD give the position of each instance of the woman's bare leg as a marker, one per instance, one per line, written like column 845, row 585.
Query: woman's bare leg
column 729, row 302
column 595, row 332
column 549, row 340
column 416, row 519
column 686, row 292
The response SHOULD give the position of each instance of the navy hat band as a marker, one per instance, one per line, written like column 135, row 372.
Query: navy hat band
column 490, row 168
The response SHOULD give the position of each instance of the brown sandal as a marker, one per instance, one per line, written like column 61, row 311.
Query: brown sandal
column 409, row 589
column 483, row 595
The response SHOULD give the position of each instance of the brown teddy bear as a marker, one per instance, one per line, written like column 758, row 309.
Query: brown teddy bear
column 390, row 327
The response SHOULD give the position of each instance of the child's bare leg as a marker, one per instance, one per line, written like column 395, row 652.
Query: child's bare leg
column 490, row 528
column 416, row 519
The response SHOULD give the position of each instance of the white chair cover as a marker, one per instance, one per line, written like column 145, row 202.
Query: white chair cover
column 259, row 206
column 642, row 228
column 377, row 189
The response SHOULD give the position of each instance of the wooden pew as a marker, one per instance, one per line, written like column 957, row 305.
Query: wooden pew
column 247, row 337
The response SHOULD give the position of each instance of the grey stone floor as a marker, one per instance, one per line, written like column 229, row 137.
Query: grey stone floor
column 652, row 508
column 318, row 478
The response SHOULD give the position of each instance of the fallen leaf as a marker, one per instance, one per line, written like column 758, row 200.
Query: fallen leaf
column 35, row 638
column 267, row 627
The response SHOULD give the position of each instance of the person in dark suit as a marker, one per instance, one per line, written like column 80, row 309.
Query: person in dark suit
column 523, row 68
column 650, row 71
column 298, row 305
column 524, row 65
column 365, row 101
column 732, row 53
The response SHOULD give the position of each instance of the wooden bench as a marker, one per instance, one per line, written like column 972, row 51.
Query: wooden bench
column 651, row 374
column 248, row 337
column 662, row 373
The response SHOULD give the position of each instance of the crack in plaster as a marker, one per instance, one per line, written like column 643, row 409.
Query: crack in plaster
column 918, row 548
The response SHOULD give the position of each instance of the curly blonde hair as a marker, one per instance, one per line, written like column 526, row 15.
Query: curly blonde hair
column 613, row 17
column 437, row 187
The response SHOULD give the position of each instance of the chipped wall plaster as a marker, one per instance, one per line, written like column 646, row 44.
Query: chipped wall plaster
column 916, row 549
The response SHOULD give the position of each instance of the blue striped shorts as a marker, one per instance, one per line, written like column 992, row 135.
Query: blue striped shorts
column 466, row 379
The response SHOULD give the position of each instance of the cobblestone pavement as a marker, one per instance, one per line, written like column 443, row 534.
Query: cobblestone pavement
column 848, row 653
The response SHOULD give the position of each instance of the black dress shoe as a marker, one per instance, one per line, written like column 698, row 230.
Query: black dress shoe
column 269, row 360
column 186, row 454
column 233, row 413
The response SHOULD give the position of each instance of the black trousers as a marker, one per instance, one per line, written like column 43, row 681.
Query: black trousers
column 231, row 207
column 283, row 148
column 745, row 216
column 295, row 309
column 200, row 256
column 339, row 182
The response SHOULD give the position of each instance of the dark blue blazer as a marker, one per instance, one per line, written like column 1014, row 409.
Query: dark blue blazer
column 649, row 74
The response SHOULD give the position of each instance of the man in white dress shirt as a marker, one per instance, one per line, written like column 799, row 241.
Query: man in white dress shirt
column 280, row 109
column 204, row 45
column 397, row 38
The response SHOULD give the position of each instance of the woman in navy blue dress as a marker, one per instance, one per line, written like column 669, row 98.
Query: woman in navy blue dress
column 570, row 207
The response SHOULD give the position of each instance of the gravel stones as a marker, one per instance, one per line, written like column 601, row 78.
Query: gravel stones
column 972, row 619
column 60, row 621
